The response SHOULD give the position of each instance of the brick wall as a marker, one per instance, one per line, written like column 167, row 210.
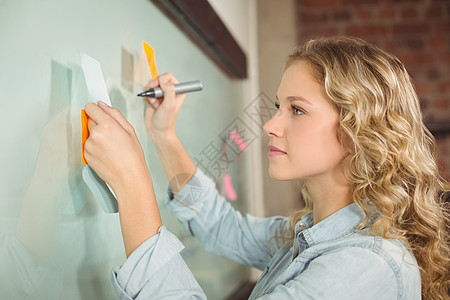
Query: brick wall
column 417, row 31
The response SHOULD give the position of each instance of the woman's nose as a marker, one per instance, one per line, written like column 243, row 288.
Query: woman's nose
column 272, row 127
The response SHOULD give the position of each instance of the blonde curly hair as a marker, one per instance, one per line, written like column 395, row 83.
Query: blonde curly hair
column 392, row 169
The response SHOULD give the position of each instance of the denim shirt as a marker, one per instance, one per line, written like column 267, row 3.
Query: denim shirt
column 328, row 260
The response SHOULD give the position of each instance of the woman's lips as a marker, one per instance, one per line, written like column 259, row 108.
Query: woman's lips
column 274, row 151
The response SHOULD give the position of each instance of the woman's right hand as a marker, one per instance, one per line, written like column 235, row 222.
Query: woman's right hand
column 161, row 113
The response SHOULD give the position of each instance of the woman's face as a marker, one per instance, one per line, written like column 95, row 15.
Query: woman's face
column 303, row 133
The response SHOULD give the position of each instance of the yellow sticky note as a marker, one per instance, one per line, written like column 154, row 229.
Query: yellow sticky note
column 150, row 54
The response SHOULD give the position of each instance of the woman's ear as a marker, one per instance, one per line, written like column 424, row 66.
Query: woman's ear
column 347, row 143
column 349, row 146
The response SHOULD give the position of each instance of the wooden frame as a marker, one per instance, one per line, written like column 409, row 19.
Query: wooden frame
column 198, row 20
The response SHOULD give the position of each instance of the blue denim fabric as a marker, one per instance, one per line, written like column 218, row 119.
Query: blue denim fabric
column 329, row 260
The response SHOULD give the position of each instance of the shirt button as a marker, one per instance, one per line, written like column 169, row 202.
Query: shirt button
column 301, row 226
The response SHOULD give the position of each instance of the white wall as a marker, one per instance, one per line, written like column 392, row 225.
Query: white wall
column 240, row 17
column 235, row 15
column 277, row 36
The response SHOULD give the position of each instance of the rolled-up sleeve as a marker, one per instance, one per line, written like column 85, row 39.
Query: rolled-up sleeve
column 221, row 229
column 156, row 270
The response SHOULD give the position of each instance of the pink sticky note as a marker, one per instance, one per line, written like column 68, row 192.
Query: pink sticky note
column 238, row 140
column 228, row 186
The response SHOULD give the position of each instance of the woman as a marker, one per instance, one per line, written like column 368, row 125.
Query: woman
column 349, row 126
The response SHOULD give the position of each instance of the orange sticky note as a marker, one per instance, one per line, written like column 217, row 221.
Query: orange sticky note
column 84, row 134
column 150, row 54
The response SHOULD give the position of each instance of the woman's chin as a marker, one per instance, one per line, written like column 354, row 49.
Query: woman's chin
column 277, row 175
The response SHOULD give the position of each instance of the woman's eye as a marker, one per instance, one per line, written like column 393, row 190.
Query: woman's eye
column 297, row 111
column 277, row 105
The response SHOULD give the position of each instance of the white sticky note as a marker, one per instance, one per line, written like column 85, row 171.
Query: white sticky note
column 97, row 91
column 95, row 82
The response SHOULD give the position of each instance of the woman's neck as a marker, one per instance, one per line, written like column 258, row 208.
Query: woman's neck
column 329, row 194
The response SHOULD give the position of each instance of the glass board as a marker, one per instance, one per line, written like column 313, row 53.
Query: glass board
column 56, row 242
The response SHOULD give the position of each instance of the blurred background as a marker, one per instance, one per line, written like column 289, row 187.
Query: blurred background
column 417, row 31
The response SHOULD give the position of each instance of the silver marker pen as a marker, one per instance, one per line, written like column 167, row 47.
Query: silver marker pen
column 185, row 87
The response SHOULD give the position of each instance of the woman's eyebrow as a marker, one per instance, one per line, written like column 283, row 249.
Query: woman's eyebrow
column 296, row 98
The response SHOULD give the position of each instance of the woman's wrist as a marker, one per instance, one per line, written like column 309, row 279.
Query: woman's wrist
column 136, row 181
column 161, row 138
column 136, row 194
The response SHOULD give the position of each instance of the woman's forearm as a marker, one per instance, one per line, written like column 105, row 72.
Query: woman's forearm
column 114, row 152
column 160, row 119
column 177, row 163
column 139, row 214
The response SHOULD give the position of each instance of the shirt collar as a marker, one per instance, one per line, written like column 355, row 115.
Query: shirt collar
column 339, row 224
